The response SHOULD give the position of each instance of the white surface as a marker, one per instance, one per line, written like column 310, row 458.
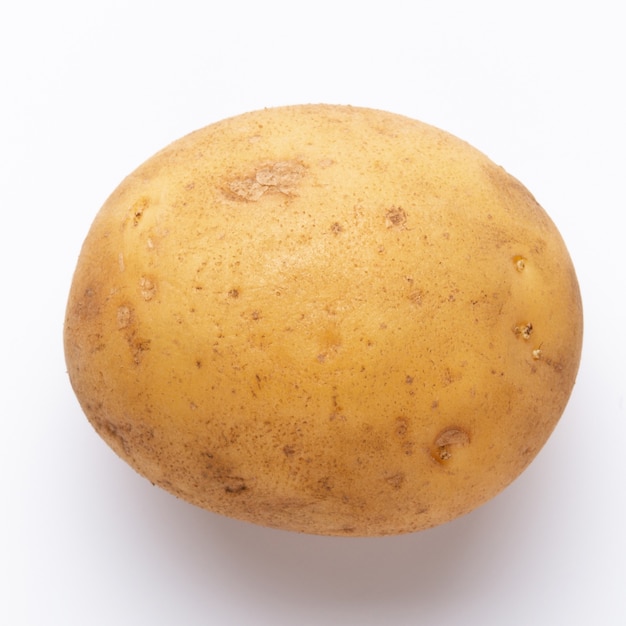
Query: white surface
column 89, row 90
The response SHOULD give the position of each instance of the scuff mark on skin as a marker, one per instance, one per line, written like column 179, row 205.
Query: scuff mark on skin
column 148, row 288
column 124, row 316
column 446, row 441
column 281, row 177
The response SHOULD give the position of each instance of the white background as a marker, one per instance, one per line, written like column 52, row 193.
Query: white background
column 88, row 90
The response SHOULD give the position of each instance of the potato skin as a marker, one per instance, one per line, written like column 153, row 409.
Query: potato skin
column 324, row 319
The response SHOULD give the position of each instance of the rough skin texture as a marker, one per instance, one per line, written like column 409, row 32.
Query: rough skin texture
column 325, row 319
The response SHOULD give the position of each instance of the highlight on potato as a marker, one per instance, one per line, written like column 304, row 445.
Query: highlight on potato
column 326, row 319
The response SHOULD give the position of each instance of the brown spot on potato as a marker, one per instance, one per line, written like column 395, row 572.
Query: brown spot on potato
column 337, row 411
column 137, row 210
column 408, row 447
column 115, row 434
column 235, row 485
column 326, row 483
column 416, row 297
column 396, row 480
column 396, row 218
column 524, row 330
column 402, row 426
column 125, row 437
column 138, row 346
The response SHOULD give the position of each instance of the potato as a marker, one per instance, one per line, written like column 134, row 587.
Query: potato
column 325, row 319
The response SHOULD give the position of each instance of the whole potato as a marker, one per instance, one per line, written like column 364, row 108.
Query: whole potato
column 326, row 319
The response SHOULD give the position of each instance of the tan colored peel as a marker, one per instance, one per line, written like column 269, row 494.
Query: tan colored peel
column 325, row 319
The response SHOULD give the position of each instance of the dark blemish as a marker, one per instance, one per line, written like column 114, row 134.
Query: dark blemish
column 137, row 210
column 233, row 293
column 326, row 483
column 336, row 228
column 396, row 218
column 396, row 481
column 236, row 485
column 112, row 431
column 407, row 448
column 555, row 365
column 235, row 488
column 289, row 450
column 402, row 426
column 138, row 348
column 336, row 413
column 524, row 330
column 416, row 297
column 337, row 417
column 408, row 380
column 198, row 363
